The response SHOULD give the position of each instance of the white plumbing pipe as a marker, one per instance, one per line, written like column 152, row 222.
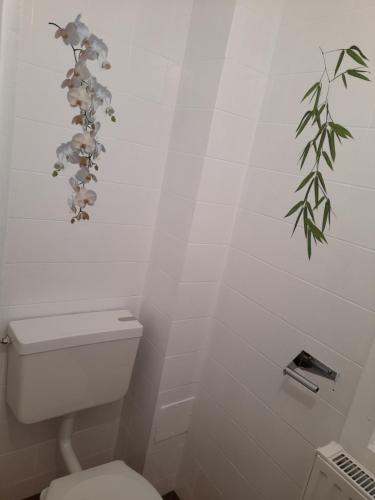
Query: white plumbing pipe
column 65, row 444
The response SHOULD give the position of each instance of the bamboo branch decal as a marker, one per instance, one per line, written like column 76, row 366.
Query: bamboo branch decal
column 320, row 150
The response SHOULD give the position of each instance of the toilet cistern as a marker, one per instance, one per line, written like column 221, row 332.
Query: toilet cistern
column 59, row 365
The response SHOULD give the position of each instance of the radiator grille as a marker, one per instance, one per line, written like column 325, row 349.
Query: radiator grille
column 351, row 469
column 336, row 475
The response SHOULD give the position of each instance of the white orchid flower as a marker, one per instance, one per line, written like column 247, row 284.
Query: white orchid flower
column 74, row 184
column 64, row 150
column 84, row 142
column 100, row 94
column 71, row 83
column 66, row 154
column 81, row 70
column 79, row 97
column 85, row 197
column 81, row 28
column 95, row 48
column 95, row 129
column 71, row 204
column 74, row 33
column 83, row 175
column 68, row 34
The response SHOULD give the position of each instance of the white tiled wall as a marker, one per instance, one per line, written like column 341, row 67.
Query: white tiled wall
column 209, row 150
column 51, row 266
column 188, row 231
column 253, row 431
column 187, row 252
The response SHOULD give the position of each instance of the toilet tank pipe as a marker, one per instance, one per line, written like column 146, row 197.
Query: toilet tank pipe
column 65, row 444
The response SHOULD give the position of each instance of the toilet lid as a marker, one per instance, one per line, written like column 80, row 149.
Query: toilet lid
column 113, row 481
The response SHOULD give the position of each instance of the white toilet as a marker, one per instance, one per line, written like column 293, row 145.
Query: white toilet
column 62, row 364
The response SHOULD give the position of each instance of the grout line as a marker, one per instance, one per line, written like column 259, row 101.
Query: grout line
column 80, row 262
column 221, row 451
column 183, row 354
column 110, row 137
column 33, row 219
column 264, row 123
column 330, row 237
column 118, row 90
column 281, row 317
column 302, row 280
column 297, row 329
column 260, row 400
column 248, row 118
column 294, row 124
column 124, row 297
column 193, row 385
column 275, row 365
column 102, row 181
column 298, row 176
column 210, row 157
column 231, row 418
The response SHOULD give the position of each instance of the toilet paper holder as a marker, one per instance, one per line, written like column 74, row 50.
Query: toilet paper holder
column 308, row 363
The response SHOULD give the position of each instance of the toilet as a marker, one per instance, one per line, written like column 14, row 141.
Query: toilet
column 59, row 365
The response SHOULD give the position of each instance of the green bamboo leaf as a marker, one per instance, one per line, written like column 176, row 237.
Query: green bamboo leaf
column 326, row 214
column 305, row 220
column 294, row 208
column 316, row 190
column 316, row 138
column 309, row 189
column 316, row 231
column 303, row 118
column 317, row 114
column 304, row 154
column 327, row 159
column 311, row 91
column 321, row 142
column 297, row 221
column 319, row 202
column 305, row 181
column 321, row 181
column 339, row 61
column 329, row 215
column 340, row 130
column 358, row 74
column 332, row 147
column 312, row 228
column 344, row 80
column 304, row 121
column 317, row 96
column 354, row 47
column 311, row 212
column 357, row 58
column 309, row 244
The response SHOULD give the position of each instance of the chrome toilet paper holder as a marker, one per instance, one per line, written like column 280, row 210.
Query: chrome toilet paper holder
column 308, row 363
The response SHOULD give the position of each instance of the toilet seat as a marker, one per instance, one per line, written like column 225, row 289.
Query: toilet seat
column 112, row 481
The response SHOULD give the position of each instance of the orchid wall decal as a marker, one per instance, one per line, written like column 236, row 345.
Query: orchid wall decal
column 88, row 95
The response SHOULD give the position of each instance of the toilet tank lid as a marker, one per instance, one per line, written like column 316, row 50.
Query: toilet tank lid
column 50, row 333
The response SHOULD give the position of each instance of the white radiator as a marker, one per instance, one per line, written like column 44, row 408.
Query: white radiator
column 338, row 476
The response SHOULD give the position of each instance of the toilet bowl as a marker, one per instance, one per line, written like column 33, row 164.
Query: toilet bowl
column 112, row 481
column 60, row 365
